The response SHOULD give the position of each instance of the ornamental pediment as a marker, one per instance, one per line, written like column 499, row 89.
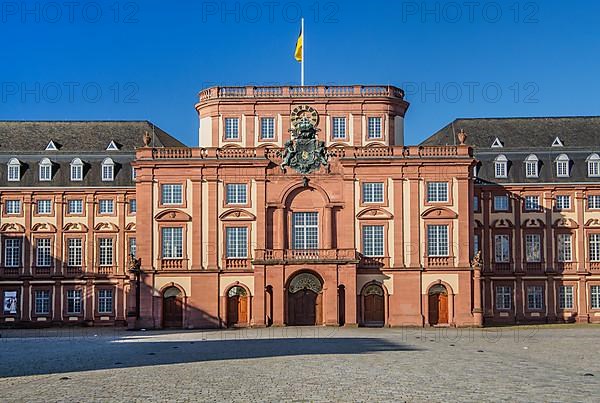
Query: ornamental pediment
column 43, row 227
column 592, row 222
column 439, row 213
column 374, row 214
column 106, row 227
column 172, row 215
column 12, row 227
column 565, row 222
column 502, row 223
column 75, row 227
column 130, row 227
column 237, row 215
column 533, row 223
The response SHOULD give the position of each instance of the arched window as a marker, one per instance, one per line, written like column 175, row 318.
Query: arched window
column 14, row 170
column 501, row 166
column 531, row 166
column 562, row 166
column 108, row 170
column 76, row 170
column 593, row 163
column 45, row 170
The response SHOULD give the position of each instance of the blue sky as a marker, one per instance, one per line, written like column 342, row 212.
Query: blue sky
column 148, row 60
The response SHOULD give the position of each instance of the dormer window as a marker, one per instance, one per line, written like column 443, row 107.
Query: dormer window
column 77, row 170
column 593, row 163
column 108, row 170
column 557, row 143
column 112, row 146
column 45, row 170
column 14, row 170
column 531, row 166
column 497, row 143
column 501, row 166
column 51, row 146
column 562, row 166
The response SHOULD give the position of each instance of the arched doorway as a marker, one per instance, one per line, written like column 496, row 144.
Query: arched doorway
column 172, row 307
column 373, row 305
column 304, row 300
column 237, row 306
column 438, row 305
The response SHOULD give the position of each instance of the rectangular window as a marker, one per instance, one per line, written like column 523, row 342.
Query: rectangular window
column 339, row 128
column 503, row 297
column 132, row 206
column 501, row 203
column 532, row 203
column 172, row 243
column 12, row 252
column 108, row 172
column 564, row 246
column 75, row 207
column 172, row 194
column 105, row 251
column 237, row 242
column 476, row 247
column 73, row 302
column 133, row 174
column 533, row 248
column 237, row 193
column 437, row 240
column 76, row 172
column 13, row 207
column 535, row 297
column 231, row 128
column 562, row 169
column 105, row 301
column 563, row 202
column 502, row 249
column 475, row 203
column 45, row 172
column 595, row 294
column 374, row 128
column 372, row 192
column 44, row 206
column 107, row 206
column 594, row 246
column 14, row 173
column 593, row 202
column 74, row 252
column 565, row 297
column 42, row 302
column 373, row 240
column 531, row 169
column 305, row 230
column 43, row 252
column 267, row 128
column 593, row 168
column 437, row 192
column 132, row 247
column 500, row 169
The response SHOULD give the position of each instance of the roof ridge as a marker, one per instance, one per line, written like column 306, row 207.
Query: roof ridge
column 532, row 117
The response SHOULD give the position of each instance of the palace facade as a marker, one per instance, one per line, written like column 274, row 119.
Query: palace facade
column 300, row 206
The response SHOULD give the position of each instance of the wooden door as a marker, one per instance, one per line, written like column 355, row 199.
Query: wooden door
column 302, row 308
column 243, row 310
column 374, row 309
column 237, row 310
column 172, row 312
column 433, row 309
column 442, row 308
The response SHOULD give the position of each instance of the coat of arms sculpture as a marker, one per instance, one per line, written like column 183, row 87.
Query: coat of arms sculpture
column 304, row 153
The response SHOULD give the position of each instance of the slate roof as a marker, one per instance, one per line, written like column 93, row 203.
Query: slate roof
column 521, row 137
column 87, row 140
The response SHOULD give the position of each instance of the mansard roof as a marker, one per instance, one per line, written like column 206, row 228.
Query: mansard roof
column 79, row 136
column 521, row 137
column 531, row 133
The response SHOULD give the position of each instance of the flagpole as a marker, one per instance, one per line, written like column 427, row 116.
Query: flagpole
column 303, row 44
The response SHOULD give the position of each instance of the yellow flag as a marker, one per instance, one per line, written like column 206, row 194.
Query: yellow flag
column 299, row 44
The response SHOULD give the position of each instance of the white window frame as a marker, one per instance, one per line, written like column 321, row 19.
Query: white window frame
column 594, row 247
column 72, row 203
column 236, row 193
column 236, row 239
column 267, row 128
column 232, row 128
column 501, row 167
column 13, row 207
column 305, row 230
column 437, row 192
column 76, row 170
column 563, row 202
column 172, row 242
column 74, row 299
column 535, row 298
column 14, row 170
column 106, row 251
column 593, row 202
column 45, row 171
column 374, row 127
column 565, row 297
column 13, row 256
column 497, row 205
column 502, row 248
column 593, row 165
column 74, row 252
column 373, row 240
column 42, row 302
column 171, row 194
column 532, row 203
column 503, row 297
column 564, row 245
column 438, row 241
column 106, row 206
column 338, row 128
column 43, row 252
column 105, row 301
column 132, row 206
column 108, row 170
column 531, row 166
column 533, row 248
column 43, row 206
column 595, row 296
column 133, row 246
column 373, row 192
column 562, row 166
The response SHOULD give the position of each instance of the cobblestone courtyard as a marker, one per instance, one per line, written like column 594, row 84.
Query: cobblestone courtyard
column 302, row 364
